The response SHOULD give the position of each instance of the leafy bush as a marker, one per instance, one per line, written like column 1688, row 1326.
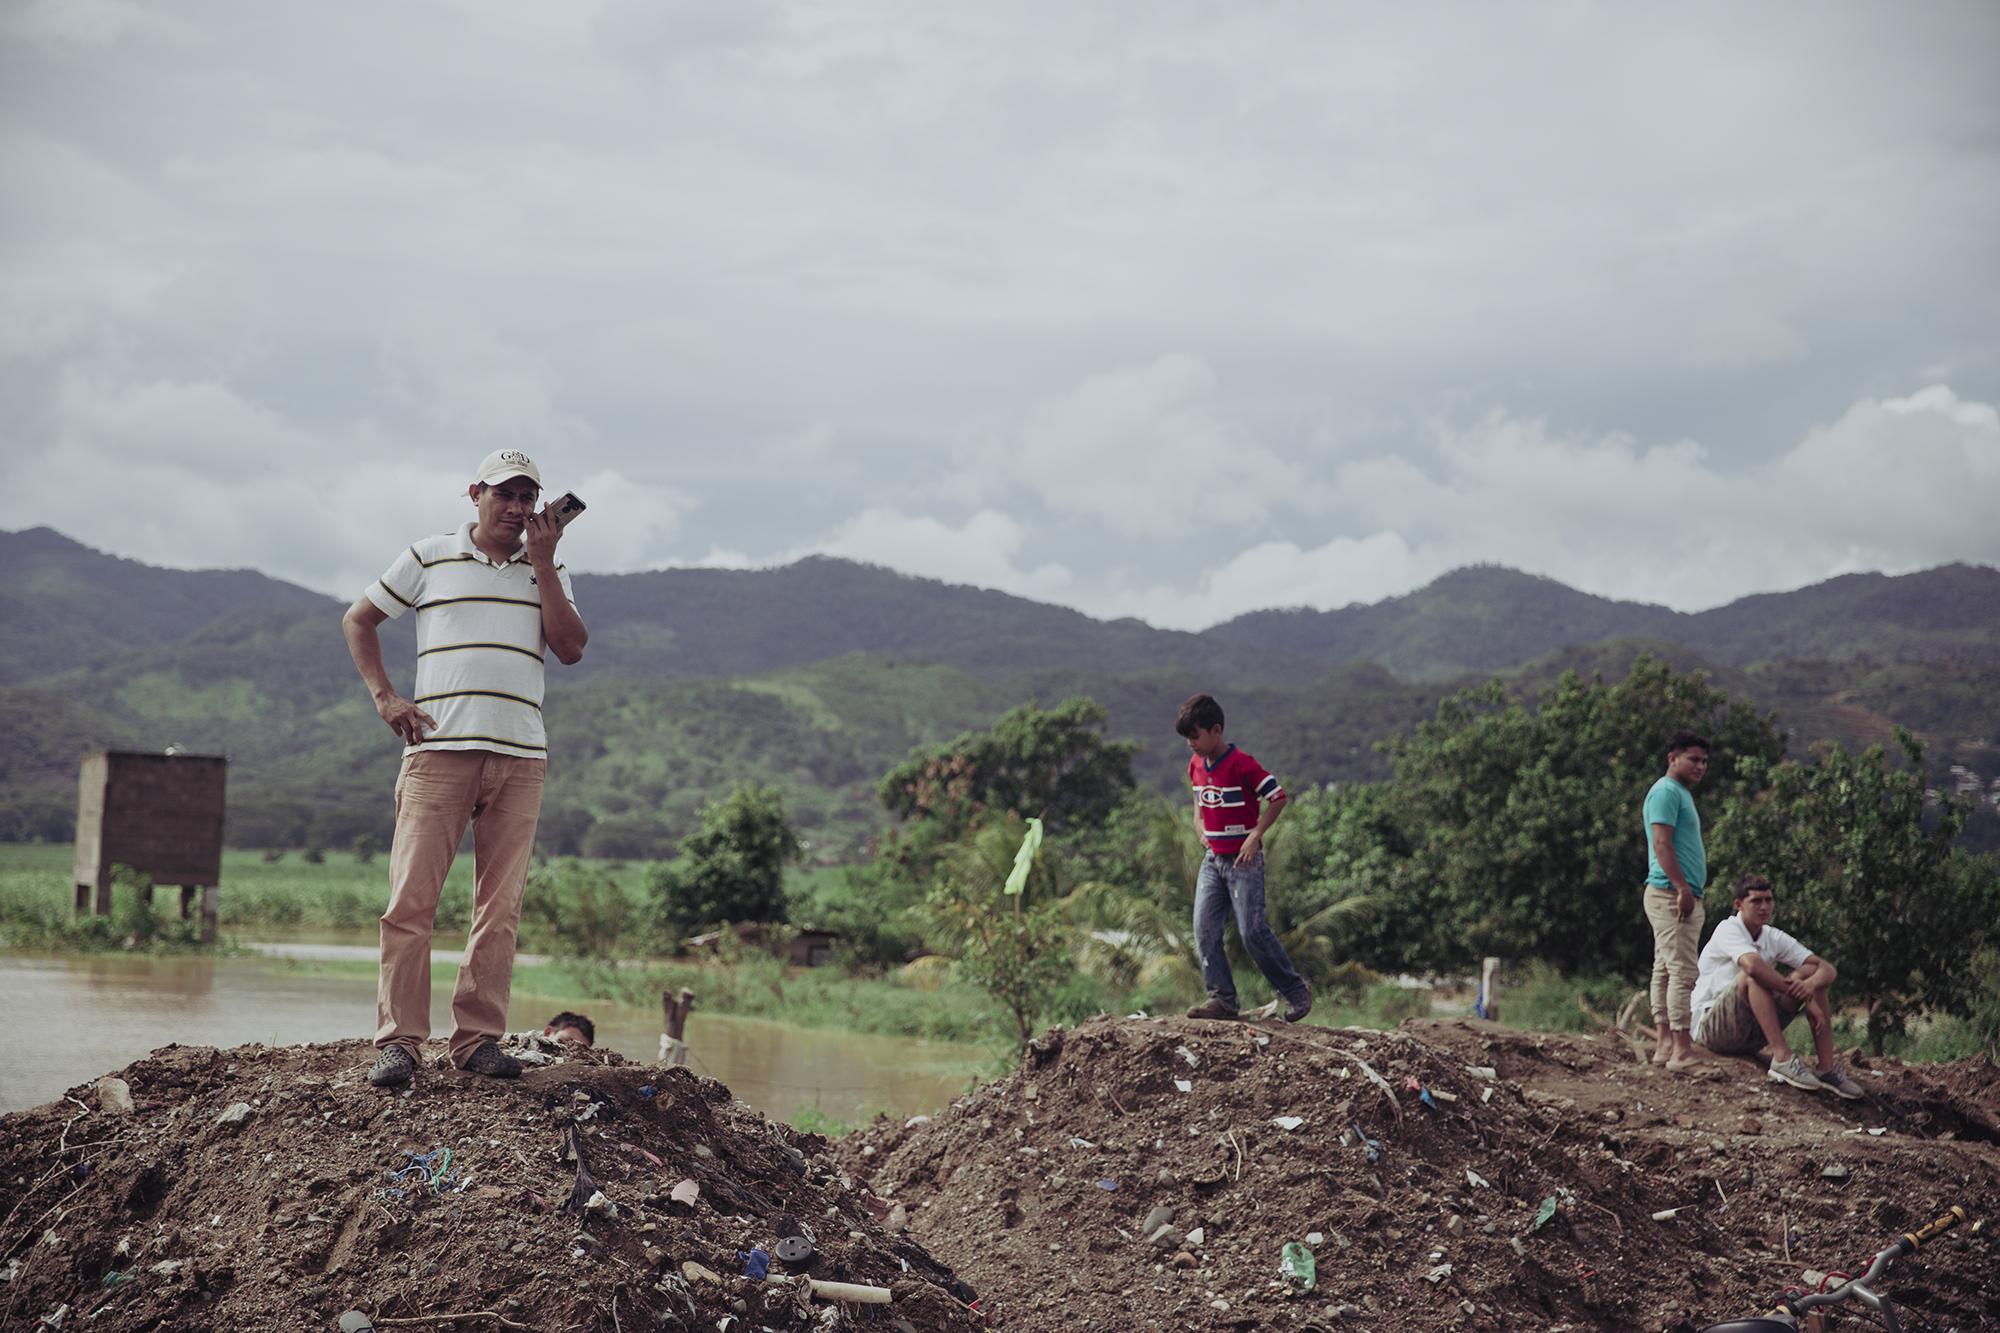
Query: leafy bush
column 732, row 868
column 580, row 911
column 1543, row 999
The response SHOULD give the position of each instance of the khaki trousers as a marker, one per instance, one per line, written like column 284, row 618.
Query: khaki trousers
column 437, row 794
column 1674, row 957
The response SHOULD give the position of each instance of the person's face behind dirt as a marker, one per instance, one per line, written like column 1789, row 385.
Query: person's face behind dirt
column 1757, row 907
column 566, row 1033
column 1688, row 767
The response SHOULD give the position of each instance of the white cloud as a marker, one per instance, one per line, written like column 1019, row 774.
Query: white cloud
column 1895, row 485
column 625, row 527
column 982, row 551
column 58, row 24
column 464, row 378
column 752, row 270
column 1148, row 449
column 194, row 475
column 1335, row 573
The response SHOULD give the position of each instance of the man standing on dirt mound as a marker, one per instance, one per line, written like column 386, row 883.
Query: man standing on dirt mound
column 490, row 599
column 1235, row 801
column 1676, row 873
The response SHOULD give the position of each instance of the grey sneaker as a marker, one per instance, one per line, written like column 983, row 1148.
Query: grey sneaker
column 490, row 1060
column 1212, row 1009
column 393, row 1068
column 1296, row 1011
column 1794, row 1072
column 1837, row 1081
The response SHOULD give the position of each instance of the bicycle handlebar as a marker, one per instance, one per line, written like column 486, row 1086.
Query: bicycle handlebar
column 1788, row 1311
column 1912, row 1239
column 1908, row 1244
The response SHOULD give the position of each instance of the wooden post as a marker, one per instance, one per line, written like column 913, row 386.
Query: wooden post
column 1488, row 1004
column 674, row 1012
column 188, row 892
column 211, row 901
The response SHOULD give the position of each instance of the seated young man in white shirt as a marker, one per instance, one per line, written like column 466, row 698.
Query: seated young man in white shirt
column 1743, row 1002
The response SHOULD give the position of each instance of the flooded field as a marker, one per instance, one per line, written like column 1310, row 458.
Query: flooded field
column 75, row 1018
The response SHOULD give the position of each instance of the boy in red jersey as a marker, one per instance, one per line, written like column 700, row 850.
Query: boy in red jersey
column 1235, row 801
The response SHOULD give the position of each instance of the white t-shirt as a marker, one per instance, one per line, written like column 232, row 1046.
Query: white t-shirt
column 479, row 643
column 1730, row 942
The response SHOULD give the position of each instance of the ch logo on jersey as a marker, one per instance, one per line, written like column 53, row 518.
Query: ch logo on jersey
column 1218, row 798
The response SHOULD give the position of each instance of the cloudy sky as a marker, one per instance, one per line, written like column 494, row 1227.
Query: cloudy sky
column 1167, row 310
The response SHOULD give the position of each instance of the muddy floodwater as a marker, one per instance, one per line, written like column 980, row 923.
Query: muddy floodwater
column 72, row 1019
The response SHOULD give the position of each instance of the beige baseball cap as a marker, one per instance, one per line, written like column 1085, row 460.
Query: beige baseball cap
column 501, row 464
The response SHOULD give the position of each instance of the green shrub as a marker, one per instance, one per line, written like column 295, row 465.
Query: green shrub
column 1542, row 999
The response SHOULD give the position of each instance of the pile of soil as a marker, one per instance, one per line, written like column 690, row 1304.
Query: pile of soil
column 1147, row 1173
column 255, row 1189
column 1132, row 1174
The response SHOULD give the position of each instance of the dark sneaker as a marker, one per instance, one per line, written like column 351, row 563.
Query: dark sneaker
column 393, row 1068
column 1794, row 1072
column 1296, row 1011
column 1213, row 1009
column 1837, row 1081
column 493, row 1062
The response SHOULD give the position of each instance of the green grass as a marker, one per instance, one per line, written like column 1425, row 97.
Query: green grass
column 1544, row 1000
column 341, row 897
column 288, row 896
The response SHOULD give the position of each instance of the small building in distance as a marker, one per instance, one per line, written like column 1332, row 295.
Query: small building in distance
column 160, row 814
column 798, row 947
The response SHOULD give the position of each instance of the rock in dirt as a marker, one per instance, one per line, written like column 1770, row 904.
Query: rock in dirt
column 114, row 1095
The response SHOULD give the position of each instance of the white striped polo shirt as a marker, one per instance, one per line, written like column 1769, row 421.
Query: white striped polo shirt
column 479, row 643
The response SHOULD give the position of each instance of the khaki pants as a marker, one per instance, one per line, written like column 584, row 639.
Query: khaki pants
column 437, row 794
column 1674, row 957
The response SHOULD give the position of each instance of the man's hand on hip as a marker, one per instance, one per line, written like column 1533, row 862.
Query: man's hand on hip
column 405, row 718
column 1684, row 902
column 1251, row 846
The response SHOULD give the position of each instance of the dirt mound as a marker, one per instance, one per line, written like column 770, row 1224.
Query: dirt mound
column 1416, row 1164
column 258, row 1189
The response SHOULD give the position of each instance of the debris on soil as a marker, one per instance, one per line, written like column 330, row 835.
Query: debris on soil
column 265, row 1188
column 273, row 1188
column 1519, row 1195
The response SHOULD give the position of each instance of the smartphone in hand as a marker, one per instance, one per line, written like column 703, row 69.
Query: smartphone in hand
column 564, row 508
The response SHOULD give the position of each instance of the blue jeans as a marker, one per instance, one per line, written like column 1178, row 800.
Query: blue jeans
column 1224, row 888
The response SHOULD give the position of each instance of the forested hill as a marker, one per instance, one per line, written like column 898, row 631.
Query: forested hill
column 820, row 676
column 1487, row 618
column 63, row 605
column 71, row 606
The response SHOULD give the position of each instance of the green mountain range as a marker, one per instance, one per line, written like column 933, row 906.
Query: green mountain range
column 819, row 676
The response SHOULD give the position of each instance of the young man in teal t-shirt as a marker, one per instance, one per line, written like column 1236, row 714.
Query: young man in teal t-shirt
column 1676, row 873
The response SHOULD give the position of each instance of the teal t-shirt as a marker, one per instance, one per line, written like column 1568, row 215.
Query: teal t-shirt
column 1670, row 803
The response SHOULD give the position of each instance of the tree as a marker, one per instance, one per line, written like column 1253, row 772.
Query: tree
column 733, row 867
column 1866, row 874
column 1054, row 763
column 629, row 837
column 1017, row 953
column 1516, row 831
column 580, row 910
